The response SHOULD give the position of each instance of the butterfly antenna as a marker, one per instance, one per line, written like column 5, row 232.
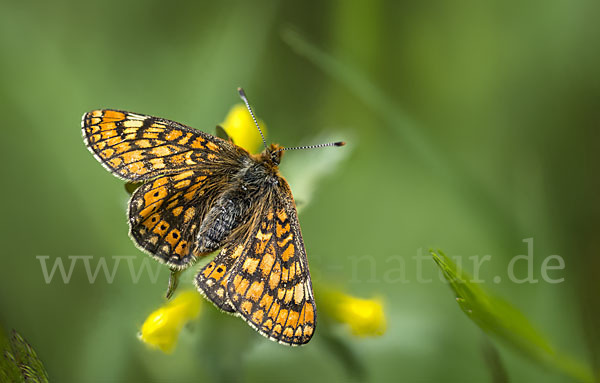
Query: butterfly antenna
column 245, row 99
column 338, row 143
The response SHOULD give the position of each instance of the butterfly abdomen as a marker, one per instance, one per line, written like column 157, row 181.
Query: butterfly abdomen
column 233, row 208
column 221, row 220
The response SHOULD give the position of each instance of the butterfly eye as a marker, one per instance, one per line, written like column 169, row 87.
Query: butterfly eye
column 275, row 158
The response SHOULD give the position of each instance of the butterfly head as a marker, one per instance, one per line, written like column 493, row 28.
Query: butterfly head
column 271, row 155
column 274, row 153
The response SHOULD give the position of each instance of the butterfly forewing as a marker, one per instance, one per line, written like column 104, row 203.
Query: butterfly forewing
column 137, row 147
column 184, row 171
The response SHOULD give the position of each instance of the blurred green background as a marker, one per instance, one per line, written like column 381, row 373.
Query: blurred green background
column 472, row 125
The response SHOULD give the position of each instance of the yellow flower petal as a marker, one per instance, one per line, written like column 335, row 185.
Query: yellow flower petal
column 161, row 328
column 241, row 128
column 364, row 316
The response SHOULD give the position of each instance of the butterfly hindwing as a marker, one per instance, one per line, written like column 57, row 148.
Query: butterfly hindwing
column 165, row 214
column 212, row 279
column 137, row 147
column 270, row 284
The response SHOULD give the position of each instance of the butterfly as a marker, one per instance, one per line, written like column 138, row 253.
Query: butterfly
column 199, row 194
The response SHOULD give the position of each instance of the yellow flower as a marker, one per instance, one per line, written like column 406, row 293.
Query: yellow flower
column 241, row 128
column 364, row 316
column 161, row 328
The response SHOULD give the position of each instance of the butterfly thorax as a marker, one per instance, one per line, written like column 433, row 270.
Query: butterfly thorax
column 257, row 179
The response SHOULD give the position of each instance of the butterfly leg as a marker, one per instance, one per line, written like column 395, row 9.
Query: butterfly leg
column 173, row 282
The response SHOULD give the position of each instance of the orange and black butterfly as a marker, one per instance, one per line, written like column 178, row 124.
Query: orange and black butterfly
column 201, row 193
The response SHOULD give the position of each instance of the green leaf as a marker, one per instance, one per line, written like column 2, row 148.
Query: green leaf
column 498, row 318
column 19, row 362
column 130, row 187
column 221, row 133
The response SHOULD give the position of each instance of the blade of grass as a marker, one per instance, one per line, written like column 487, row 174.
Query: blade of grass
column 401, row 124
column 366, row 91
column 498, row 318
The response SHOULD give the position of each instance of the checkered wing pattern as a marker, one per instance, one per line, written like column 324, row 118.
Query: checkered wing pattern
column 137, row 147
column 212, row 280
